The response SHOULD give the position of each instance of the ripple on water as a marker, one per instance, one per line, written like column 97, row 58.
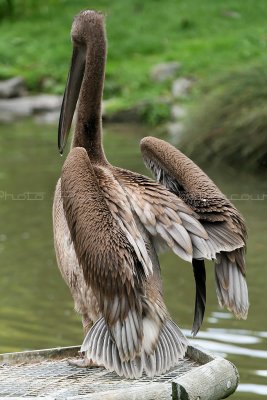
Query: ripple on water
column 222, row 315
column 226, row 348
column 228, row 336
column 261, row 373
column 252, row 388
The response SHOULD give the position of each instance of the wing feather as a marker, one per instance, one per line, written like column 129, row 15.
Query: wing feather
column 166, row 217
column 225, row 226
column 218, row 216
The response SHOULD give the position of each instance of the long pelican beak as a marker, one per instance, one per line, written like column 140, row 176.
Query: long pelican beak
column 71, row 95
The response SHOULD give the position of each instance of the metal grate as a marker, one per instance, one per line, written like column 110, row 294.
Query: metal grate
column 58, row 378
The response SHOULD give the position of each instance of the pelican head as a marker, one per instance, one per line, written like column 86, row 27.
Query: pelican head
column 88, row 40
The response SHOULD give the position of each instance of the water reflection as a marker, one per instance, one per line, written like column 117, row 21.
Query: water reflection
column 36, row 310
column 228, row 336
column 218, row 315
column 252, row 388
column 261, row 373
column 223, row 348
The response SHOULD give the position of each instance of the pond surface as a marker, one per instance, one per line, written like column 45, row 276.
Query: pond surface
column 36, row 309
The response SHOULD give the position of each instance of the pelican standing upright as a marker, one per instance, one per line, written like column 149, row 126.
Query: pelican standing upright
column 109, row 222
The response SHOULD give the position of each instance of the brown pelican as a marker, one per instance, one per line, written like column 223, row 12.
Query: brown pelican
column 108, row 223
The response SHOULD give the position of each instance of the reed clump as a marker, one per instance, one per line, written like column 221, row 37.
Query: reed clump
column 230, row 125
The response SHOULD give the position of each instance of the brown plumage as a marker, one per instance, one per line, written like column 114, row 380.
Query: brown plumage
column 220, row 218
column 108, row 223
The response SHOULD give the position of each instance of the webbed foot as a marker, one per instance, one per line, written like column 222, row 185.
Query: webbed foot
column 82, row 363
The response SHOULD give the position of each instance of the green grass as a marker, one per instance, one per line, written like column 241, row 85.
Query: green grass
column 209, row 38
column 35, row 44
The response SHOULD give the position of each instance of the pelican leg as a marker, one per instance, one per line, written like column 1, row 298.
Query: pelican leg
column 82, row 363
column 87, row 323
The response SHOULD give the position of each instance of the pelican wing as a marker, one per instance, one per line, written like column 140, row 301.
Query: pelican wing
column 219, row 217
column 223, row 223
column 166, row 217
column 110, row 264
column 121, row 211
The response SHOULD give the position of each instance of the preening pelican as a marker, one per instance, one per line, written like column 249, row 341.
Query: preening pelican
column 109, row 223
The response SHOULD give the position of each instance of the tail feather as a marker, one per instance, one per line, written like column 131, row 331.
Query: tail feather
column 102, row 349
column 89, row 339
column 127, row 336
column 171, row 347
column 173, row 344
column 100, row 345
column 116, row 359
column 200, row 299
column 149, row 364
column 159, row 358
column 110, row 361
column 231, row 287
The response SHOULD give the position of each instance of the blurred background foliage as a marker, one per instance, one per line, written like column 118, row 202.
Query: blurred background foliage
column 230, row 124
column 221, row 44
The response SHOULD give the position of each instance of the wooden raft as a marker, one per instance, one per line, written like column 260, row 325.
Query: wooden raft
column 47, row 374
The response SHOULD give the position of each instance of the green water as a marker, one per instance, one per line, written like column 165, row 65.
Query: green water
column 36, row 310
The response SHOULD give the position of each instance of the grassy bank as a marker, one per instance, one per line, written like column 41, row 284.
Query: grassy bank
column 205, row 36
column 209, row 38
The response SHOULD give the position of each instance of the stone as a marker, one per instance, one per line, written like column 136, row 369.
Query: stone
column 164, row 71
column 48, row 118
column 112, row 113
column 14, row 87
column 175, row 129
column 231, row 14
column 181, row 87
column 6, row 117
column 29, row 105
column 18, row 107
column 177, row 112
column 125, row 115
column 45, row 102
